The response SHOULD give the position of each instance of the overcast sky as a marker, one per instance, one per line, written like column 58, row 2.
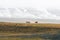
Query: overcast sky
column 30, row 3
column 46, row 8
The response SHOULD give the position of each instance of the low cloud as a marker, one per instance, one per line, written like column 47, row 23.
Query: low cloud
column 29, row 13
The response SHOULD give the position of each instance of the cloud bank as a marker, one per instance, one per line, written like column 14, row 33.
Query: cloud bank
column 29, row 13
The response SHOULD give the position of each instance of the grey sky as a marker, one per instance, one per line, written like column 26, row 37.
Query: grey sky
column 30, row 3
column 37, row 9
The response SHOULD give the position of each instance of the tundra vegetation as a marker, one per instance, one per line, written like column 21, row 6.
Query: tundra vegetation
column 9, row 29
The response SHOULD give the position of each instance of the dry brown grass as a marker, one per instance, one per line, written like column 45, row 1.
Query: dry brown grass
column 30, row 24
column 22, row 39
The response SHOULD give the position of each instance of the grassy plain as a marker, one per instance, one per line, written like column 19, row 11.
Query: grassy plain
column 13, row 29
column 48, row 25
column 22, row 39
